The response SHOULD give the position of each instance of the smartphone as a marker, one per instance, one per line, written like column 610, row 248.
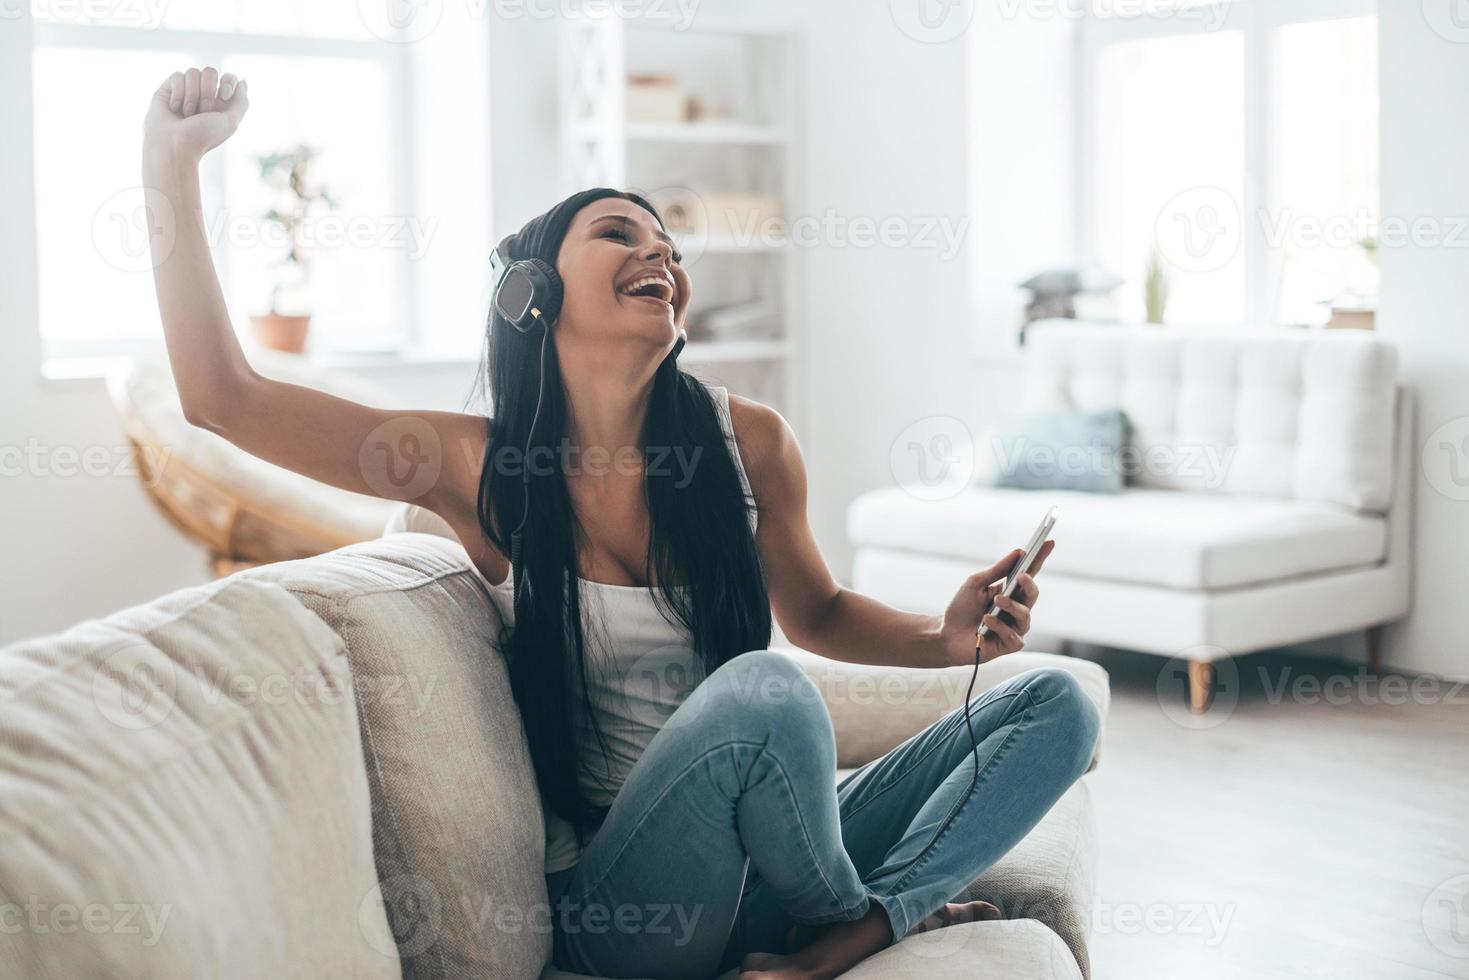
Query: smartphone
column 1023, row 565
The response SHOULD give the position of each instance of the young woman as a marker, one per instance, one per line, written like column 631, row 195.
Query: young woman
column 687, row 771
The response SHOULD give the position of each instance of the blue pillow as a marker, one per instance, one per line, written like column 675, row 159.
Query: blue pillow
column 1062, row 451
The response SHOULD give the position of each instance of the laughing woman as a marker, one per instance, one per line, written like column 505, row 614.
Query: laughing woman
column 668, row 526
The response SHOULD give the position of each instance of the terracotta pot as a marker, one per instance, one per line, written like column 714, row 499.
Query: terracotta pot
column 278, row 331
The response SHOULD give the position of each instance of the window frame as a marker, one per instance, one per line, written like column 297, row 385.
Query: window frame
column 198, row 47
column 1258, row 21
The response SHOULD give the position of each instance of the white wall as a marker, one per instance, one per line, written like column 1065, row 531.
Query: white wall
column 1022, row 159
column 1425, row 311
column 884, row 137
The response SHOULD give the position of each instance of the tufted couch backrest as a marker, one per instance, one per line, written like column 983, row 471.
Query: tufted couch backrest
column 1285, row 412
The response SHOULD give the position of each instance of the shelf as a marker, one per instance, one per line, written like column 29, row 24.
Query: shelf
column 706, row 132
column 714, row 351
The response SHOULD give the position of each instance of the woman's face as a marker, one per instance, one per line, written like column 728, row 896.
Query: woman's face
column 622, row 277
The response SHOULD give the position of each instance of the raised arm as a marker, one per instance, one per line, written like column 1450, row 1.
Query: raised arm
column 430, row 458
column 818, row 614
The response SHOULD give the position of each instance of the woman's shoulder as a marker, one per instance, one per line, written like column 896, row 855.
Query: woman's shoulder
column 768, row 447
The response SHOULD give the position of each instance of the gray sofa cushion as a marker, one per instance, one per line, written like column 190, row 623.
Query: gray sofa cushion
column 1014, row 950
column 456, row 816
column 179, row 800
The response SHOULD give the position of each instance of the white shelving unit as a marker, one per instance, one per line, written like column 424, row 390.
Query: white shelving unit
column 751, row 67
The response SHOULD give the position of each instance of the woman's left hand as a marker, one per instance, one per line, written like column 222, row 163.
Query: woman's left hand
column 1007, row 623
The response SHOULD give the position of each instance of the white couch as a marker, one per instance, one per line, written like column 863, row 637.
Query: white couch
column 316, row 769
column 1270, row 504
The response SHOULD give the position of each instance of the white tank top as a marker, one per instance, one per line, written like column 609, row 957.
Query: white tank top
column 640, row 667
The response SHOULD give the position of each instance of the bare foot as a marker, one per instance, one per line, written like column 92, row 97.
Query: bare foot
column 836, row 948
column 954, row 913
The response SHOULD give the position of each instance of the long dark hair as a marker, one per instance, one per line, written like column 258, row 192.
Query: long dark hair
column 701, row 549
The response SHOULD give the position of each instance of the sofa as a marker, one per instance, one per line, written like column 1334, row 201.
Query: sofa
column 1267, row 498
column 316, row 769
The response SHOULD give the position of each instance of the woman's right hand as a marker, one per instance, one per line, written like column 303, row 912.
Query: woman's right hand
column 194, row 111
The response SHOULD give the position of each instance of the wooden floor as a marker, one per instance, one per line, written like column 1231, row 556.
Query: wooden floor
column 1306, row 833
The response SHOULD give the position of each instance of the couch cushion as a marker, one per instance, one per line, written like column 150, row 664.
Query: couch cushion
column 873, row 709
column 1061, row 451
column 182, row 794
column 1152, row 537
column 1298, row 413
column 456, row 817
column 1021, row 949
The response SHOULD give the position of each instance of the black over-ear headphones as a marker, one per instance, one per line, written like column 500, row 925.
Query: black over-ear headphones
column 527, row 291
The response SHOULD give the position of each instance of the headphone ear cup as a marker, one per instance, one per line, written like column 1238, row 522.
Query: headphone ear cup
column 554, row 290
column 529, row 294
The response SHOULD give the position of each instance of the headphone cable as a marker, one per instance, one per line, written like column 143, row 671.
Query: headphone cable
column 525, row 469
column 974, row 751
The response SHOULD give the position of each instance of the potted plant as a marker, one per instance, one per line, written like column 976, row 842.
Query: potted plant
column 1369, row 246
column 298, row 198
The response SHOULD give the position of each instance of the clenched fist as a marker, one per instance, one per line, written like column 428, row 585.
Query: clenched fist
column 194, row 111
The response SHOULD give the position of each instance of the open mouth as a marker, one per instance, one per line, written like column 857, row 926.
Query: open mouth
column 653, row 286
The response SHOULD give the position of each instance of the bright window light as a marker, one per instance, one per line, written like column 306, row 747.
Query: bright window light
column 1323, row 222
column 1170, row 167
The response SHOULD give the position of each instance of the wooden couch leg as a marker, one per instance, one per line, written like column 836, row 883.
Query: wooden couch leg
column 1374, row 648
column 1200, row 685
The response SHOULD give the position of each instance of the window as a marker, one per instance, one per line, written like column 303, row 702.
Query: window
column 1237, row 150
column 319, row 75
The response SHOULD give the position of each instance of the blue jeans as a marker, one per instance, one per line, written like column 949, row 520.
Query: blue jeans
column 731, row 826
